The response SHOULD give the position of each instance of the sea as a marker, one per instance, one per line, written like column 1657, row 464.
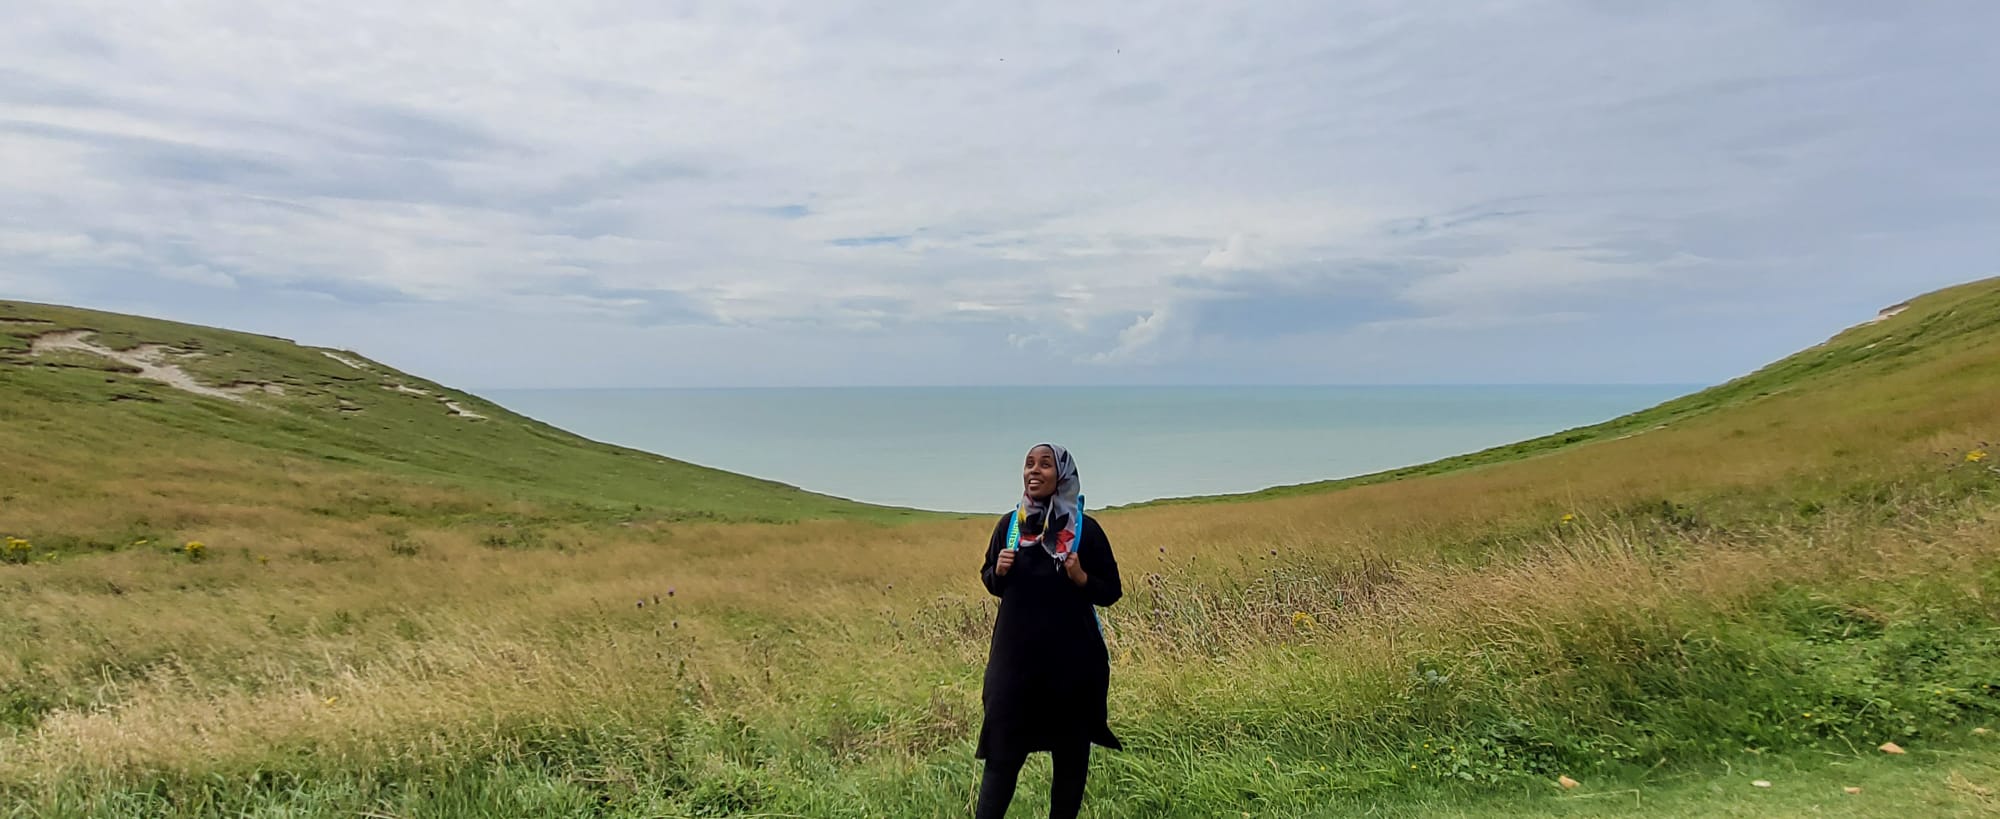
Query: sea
column 959, row 449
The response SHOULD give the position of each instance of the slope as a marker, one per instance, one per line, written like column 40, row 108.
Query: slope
column 1764, row 584
column 1871, row 370
column 99, row 411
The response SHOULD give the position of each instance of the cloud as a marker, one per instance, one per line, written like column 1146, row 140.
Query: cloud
column 1521, row 279
column 1138, row 339
column 1276, row 306
column 867, row 241
column 198, row 274
column 1236, row 255
column 957, row 189
column 794, row 211
column 399, row 131
column 25, row 88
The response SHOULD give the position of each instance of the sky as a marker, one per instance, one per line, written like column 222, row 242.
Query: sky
column 740, row 193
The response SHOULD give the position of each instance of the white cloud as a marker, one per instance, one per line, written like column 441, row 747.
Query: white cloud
column 1138, row 340
column 1530, row 278
column 948, row 174
column 198, row 274
column 1236, row 255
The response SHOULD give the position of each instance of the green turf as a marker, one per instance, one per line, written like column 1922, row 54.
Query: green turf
column 1666, row 653
column 1958, row 780
column 1938, row 324
column 81, row 408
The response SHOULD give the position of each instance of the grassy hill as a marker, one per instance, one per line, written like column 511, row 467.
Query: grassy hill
column 1958, row 325
column 100, row 451
column 1762, row 581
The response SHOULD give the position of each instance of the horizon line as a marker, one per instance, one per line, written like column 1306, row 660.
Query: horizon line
column 1345, row 385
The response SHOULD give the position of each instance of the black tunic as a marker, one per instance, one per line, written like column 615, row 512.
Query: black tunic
column 1047, row 673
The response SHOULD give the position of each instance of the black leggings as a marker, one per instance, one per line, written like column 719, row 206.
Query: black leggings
column 996, row 787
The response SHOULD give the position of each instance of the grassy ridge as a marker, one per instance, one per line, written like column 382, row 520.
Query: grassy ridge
column 346, row 439
column 1777, row 582
column 1958, row 319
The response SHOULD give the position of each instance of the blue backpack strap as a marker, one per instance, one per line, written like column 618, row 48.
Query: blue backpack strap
column 1076, row 526
column 1076, row 541
column 1014, row 529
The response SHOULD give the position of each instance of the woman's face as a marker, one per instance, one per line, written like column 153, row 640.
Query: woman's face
column 1038, row 475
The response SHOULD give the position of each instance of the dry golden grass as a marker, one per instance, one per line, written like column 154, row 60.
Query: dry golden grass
column 343, row 620
column 340, row 645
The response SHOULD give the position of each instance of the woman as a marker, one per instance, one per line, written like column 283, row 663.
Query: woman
column 1047, row 672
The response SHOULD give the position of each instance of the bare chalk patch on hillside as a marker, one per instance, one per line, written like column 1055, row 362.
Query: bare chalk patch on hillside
column 454, row 409
column 345, row 360
column 1889, row 312
column 153, row 362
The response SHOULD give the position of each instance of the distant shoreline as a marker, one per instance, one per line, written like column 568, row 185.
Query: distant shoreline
column 950, row 448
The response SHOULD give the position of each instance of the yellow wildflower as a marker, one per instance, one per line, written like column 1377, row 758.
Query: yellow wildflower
column 1975, row 456
column 17, row 550
column 195, row 550
column 1569, row 517
column 1302, row 621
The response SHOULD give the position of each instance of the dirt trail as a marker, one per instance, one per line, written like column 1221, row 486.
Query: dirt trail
column 450, row 407
column 453, row 408
column 1889, row 312
column 149, row 359
column 344, row 360
column 156, row 362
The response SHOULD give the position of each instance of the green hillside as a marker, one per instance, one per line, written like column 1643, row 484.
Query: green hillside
column 74, row 421
column 398, row 610
column 1958, row 322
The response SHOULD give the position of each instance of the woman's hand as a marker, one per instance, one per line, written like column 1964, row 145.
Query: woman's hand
column 1074, row 570
column 1004, row 562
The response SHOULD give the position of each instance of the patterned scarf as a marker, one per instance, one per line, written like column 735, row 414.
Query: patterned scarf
column 1066, row 503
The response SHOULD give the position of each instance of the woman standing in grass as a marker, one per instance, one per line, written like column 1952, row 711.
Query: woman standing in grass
column 1047, row 673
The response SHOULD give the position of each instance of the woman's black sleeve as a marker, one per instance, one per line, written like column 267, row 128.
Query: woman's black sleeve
column 996, row 583
column 1100, row 566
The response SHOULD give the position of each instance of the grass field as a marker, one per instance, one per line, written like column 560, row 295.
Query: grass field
column 347, row 439
column 398, row 611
